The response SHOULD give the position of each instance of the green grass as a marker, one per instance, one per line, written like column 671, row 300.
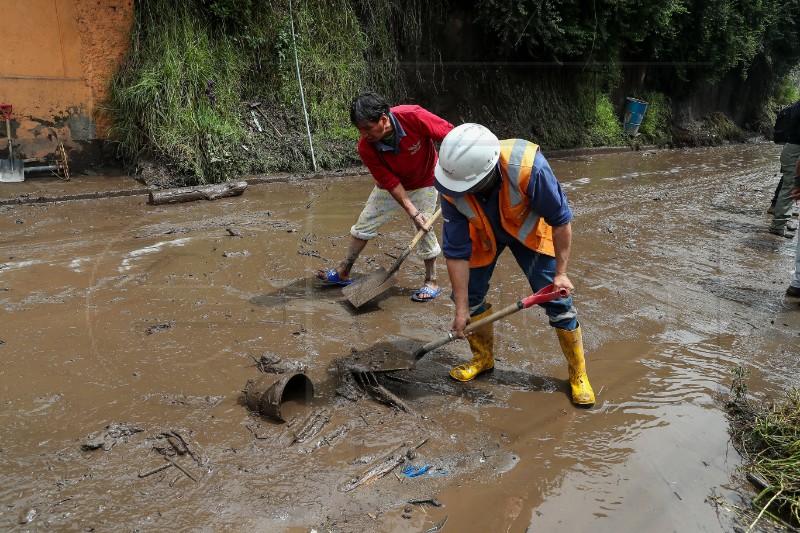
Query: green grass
column 656, row 122
column 605, row 127
column 789, row 89
column 158, row 101
column 159, row 108
column 768, row 438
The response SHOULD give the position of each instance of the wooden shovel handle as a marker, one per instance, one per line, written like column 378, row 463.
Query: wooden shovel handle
column 421, row 233
column 425, row 228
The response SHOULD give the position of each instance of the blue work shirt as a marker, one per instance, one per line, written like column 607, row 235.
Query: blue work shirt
column 547, row 200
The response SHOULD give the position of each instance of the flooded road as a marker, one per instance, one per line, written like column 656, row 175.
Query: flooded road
column 129, row 332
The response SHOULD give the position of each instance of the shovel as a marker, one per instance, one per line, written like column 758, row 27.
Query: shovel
column 382, row 280
column 546, row 294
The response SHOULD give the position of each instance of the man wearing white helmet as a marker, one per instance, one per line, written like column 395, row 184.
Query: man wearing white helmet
column 498, row 195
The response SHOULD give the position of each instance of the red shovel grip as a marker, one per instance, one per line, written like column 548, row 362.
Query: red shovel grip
column 6, row 109
column 547, row 294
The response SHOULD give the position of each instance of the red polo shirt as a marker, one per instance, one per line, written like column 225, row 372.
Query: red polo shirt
column 410, row 162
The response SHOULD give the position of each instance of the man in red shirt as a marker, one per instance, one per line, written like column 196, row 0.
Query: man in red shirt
column 396, row 146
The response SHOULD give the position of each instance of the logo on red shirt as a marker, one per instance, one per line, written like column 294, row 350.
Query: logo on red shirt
column 414, row 148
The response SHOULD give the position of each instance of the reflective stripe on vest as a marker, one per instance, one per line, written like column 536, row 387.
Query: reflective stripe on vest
column 516, row 162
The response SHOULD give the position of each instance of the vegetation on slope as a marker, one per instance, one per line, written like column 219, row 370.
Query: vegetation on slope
column 210, row 87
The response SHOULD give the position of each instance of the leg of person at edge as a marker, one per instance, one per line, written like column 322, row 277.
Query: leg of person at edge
column 794, row 285
column 771, row 209
column 498, row 195
column 396, row 145
column 790, row 155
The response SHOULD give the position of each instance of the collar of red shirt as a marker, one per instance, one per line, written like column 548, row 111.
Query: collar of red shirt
column 399, row 133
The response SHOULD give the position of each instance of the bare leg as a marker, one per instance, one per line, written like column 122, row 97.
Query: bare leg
column 430, row 276
column 353, row 251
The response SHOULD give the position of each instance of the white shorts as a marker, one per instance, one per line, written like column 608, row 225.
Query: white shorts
column 381, row 206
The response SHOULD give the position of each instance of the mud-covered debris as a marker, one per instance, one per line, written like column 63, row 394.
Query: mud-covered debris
column 270, row 363
column 312, row 425
column 27, row 515
column 266, row 394
column 358, row 376
column 437, row 527
column 182, row 469
column 232, row 232
column 197, row 192
column 368, row 381
column 385, row 465
column 197, row 401
column 309, row 252
column 155, row 470
column 110, row 436
column 347, row 387
column 160, row 327
column 426, row 501
column 174, row 443
column 256, row 431
column 330, row 439
column 243, row 253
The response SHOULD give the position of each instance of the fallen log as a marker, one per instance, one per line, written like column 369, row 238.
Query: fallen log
column 199, row 192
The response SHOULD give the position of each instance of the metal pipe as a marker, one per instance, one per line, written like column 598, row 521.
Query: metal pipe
column 10, row 145
column 300, row 83
column 54, row 168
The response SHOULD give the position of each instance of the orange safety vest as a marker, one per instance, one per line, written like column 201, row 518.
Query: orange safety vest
column 516, row 162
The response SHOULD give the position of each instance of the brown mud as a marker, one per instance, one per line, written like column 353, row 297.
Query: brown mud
column 130, row 330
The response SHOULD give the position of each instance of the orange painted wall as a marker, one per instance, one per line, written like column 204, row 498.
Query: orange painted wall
column 57, row 58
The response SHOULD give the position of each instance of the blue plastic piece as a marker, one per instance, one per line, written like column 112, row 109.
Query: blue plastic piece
column 414, row 471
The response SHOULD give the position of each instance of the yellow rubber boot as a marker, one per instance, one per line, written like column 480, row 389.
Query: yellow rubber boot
column 572, row 346
column 481, row 342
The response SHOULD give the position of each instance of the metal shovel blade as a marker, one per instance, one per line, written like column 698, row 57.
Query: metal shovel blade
column 382, row 280
column 369, row 287
column 11, row 171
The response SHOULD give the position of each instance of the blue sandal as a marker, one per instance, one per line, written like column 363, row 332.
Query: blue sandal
column 332, row 278
column 426, row 290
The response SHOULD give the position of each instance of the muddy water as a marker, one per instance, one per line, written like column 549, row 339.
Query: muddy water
column 134, row 328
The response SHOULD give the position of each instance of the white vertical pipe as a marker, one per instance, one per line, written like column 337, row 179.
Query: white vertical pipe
column 300, row 83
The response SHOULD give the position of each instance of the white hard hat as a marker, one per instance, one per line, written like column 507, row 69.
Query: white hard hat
column 468, row 153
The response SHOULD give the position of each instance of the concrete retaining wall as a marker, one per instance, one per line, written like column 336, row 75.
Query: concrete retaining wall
column 58, row 56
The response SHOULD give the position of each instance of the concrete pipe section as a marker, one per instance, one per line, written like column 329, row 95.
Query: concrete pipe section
column 268, row 393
